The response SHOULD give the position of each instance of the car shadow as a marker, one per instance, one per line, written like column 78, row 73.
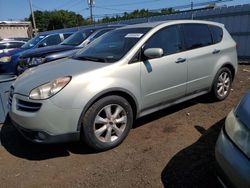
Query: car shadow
column 15, row 144
column 18, row 146
column 195, row 166
column 204, row 99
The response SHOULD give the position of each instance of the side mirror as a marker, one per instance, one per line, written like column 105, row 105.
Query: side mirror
column 152, row 53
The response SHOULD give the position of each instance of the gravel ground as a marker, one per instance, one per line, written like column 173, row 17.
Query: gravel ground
column 173, row 147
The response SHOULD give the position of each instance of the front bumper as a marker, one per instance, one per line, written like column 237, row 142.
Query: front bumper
column 46, row 122
column 233, row 164
column 40, row 136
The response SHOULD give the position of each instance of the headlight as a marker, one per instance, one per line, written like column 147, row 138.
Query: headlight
column 5, row 59
column 36, row 61
column 49, row 89
column 238, row 132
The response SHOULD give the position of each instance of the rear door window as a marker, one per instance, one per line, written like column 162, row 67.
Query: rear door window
column 196, row 36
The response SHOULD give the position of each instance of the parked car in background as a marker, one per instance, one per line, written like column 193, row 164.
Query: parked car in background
column 233, row 146
column 67, row 48
column 123, row 75
column 9, row 60
column 25, row 39
column 7, row 45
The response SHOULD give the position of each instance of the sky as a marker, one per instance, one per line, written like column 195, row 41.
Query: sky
column 19, row 9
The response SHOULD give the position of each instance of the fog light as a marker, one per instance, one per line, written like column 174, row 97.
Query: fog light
column 41, row 136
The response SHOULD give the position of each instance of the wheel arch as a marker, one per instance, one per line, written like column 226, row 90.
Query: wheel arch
column 231, row 68
column 114, row 91
column 227, row 65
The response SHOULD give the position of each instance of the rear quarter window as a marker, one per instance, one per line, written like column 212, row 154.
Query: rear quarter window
column 217, row 33
column 196, row 36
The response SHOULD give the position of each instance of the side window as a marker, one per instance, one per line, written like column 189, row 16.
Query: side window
column 217, row 33
column 101, row 33
column 168, row 39
column 196, row 36
column 15, row 44
column 2, row 46
column 51, row 40
column 66, row 35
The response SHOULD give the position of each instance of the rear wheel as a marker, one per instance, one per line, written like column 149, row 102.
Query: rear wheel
column 222, row 84
column 107, row 123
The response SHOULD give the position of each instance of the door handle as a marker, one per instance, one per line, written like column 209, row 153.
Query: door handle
column 216, row 51
column 180, row 60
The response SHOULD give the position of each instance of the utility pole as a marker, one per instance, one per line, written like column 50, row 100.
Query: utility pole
column 192, row 7
column 33, row 18
column 90, row 3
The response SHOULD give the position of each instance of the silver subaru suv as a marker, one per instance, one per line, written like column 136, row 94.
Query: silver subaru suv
column 125, row 74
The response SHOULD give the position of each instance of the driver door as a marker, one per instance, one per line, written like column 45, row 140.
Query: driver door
column 164, row 79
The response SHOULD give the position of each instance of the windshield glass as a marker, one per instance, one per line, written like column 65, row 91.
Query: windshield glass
column 77, row 38
column 112, row 46
column 32, row 42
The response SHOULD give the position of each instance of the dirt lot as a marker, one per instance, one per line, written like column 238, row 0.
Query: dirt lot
column 174, row 146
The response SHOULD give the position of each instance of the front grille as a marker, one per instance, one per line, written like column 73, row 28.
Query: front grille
column 28, row 106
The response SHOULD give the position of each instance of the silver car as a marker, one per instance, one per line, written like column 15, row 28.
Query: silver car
column 233, row 147
column 123, row 75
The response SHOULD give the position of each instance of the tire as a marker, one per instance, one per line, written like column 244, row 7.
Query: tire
column 107, row 123
column 222, row 84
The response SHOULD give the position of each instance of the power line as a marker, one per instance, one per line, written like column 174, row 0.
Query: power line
column 136, row 3
column 111, row 8
column 37, row 7
column 64, row 4
column 179, row 7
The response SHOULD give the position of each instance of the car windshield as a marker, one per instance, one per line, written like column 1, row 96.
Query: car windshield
column 32, row 42
column 112, row 46
column 77, row 38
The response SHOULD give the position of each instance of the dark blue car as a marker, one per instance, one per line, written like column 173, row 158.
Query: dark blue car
column 9, row 60
column 67, row 48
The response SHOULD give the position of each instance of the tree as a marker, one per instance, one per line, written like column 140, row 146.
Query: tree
column 57, row 19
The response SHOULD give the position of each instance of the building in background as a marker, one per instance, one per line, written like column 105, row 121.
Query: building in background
column 15, row 29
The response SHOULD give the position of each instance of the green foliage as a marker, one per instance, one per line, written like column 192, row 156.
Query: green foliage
column 137, row 14
column 57, row 19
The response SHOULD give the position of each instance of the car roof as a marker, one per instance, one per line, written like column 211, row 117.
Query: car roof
column 62, row 31
column 102, row 27
column 8, row 41
column 154, row 24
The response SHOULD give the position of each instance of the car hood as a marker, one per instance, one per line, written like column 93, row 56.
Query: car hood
column 39, row 52
column 242, row 112
column 12, row 52
column 45, row 73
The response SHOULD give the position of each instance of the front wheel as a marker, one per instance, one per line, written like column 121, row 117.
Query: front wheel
column 222, row 84
column 107, row 123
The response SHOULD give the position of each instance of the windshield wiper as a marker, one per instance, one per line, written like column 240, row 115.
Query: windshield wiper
column 90, row 58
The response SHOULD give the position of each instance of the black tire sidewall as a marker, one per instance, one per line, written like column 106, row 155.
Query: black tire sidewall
column 88, row 135
column 214, row 89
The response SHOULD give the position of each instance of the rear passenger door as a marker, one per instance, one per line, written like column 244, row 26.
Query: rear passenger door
column 202, row 56
column 164, row 79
